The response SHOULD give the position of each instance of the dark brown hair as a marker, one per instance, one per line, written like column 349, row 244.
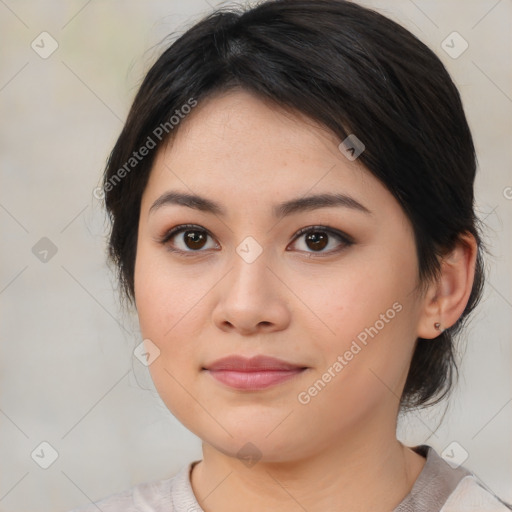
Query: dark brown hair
column 354, row 71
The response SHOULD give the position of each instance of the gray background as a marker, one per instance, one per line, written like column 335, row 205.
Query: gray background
column 67, row 372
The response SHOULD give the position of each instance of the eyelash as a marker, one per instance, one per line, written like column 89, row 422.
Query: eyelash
column 345, row 239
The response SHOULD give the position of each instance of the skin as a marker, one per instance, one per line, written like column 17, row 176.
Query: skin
column 292, row 303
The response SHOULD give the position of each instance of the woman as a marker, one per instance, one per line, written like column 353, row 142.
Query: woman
column 292, row 217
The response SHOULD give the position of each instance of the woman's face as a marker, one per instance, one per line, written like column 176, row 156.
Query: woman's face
column 341, row 310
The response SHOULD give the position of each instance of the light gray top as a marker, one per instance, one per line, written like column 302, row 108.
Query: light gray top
column 438, row 488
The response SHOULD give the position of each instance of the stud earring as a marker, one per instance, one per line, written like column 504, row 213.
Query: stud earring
column 437, row 326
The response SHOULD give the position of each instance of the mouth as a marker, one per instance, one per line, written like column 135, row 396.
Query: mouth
column 252, row 374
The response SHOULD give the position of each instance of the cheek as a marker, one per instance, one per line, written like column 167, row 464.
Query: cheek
column 165, row 295
column 371, row 311
column 167, row 311
column 354, row 298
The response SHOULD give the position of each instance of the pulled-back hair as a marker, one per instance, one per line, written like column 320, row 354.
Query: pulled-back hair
column 355, row 72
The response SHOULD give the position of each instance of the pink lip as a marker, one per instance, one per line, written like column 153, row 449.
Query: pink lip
column 255, row 373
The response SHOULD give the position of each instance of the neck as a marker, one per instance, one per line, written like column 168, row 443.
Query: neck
column 372, row 475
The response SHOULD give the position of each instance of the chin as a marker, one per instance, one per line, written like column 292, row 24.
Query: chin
column 254, row 442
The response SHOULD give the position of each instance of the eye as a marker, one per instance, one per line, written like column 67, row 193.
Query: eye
column 317, row 238
column 187, row 238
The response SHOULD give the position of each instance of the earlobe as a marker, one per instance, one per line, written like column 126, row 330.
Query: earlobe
column 447, row 298
column 438, row 327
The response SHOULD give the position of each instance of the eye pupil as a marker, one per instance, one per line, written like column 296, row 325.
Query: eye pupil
column 195, row 238
column 318, row 239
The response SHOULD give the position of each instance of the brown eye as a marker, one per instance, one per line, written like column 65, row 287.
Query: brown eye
column 314, row 239
column 317, row 240
column 194, row 239
column 188, row 239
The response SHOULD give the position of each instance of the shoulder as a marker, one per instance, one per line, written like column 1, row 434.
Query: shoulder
column 446, row 487
column 470, row 495
column 157, row 496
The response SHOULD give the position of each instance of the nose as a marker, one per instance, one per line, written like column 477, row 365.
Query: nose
column 251, row 299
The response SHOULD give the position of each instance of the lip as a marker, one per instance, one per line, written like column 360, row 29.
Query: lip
column 255, row 373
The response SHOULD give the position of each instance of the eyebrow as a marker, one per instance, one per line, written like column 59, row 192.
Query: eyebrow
column 306, row 203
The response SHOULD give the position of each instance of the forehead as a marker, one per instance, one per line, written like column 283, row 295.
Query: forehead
column 237, row 146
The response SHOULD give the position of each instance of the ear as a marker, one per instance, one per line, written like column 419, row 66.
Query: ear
column 447, row 298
